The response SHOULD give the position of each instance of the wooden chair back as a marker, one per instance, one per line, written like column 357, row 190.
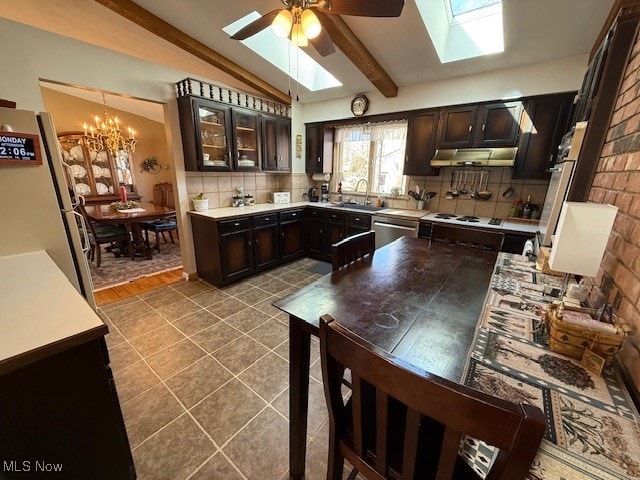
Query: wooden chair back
column 163, row 194
column 467, row 237
column 404, row 423
column 352, row 249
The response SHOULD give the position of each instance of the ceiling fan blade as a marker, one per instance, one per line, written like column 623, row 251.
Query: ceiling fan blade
column 363, row 8
column 323, row 44
column 255, row 26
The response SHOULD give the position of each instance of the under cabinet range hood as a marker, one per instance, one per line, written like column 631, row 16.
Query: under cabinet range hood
column 469, row 157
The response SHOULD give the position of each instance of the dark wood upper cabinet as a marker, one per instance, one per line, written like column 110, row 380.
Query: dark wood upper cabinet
column 421, row 144
column 498, row 125
column 544, row 122
column 207, row 138
column 318, row 148
column 480, row 125
column 456, row 126
column 276, row 135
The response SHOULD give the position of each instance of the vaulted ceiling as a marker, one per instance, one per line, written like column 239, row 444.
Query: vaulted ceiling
column 535, row 31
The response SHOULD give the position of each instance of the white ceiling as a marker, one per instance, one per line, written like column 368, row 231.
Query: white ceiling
column 535, row 31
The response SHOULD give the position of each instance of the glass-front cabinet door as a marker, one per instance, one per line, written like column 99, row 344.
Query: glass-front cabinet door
column 246, row 129
column 90, row 173
column 212, row 123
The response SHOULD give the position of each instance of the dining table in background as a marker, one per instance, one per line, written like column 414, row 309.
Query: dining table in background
column 416, row 300
column 131, row 221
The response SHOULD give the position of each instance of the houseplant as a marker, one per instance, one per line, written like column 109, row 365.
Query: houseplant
column 200, row 203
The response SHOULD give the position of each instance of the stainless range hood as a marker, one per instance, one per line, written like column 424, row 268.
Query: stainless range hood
column 470, row 157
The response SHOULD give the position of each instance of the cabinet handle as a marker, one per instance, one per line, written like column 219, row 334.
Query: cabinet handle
column 470, row 127
column 294, row 214
column 282, row 234
column 483, row 127
column 406, row 159
column 236, row 224
column 266, row 219
column 249, row 242
column 257, row 240
column 318, row 159
column 357, row 219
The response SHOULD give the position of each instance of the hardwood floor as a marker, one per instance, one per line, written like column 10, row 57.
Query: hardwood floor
column 136, row 287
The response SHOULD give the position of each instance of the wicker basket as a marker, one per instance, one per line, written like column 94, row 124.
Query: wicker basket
column 572, row 340
column 542, row 263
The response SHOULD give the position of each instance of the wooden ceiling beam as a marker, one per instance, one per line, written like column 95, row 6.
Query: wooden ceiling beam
column 352, row 47
column 159, row 27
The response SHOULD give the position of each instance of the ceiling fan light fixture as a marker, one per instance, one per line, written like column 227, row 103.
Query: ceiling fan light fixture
column 310, row 24
column 281, row 25
column 298, row 37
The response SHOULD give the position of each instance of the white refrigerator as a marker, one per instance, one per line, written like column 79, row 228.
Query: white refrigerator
column 36, row 209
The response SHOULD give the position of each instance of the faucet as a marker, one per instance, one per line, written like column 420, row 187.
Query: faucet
column 366, row 192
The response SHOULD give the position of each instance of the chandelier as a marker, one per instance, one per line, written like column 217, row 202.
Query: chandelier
column 107, row 134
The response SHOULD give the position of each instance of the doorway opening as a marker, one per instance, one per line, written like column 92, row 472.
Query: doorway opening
column 103, row 176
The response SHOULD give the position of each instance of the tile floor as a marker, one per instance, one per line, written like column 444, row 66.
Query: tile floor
column 202, row 376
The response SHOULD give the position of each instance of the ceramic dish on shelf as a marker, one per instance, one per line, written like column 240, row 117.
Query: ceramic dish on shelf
column 92, row 155
column 82, row 189
column 76, row 152
column 218, row 163
column 246, row 163
column 97, row 171
column 101, row 188
column 66, row 156
column 106, row 173
column 102, row 157
column 111, row 189
column 78, row 171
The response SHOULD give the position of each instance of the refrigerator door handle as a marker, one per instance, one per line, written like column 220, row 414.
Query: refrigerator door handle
column 83, row 226
column 75, row 203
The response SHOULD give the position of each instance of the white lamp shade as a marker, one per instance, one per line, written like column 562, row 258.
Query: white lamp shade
column 310, row 24
column 281, row 25
column 581, row 237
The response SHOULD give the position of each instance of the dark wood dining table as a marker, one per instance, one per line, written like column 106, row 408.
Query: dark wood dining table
column 417, row 300
column 131, row 220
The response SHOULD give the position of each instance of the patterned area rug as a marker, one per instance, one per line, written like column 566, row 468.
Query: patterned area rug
column 116, row 271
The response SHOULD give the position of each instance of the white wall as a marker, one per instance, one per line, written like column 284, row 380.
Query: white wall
column 561, row 75
column 36, row 54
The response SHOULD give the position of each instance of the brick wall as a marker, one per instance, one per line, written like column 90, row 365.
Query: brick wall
column 617, row 182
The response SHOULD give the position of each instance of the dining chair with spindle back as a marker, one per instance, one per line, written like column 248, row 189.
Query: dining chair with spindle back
column 401, row 422
column 162, row 195
column 116, row 236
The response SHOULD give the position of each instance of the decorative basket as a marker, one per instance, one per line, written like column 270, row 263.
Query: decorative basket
column 572, row 340
column 542, row 263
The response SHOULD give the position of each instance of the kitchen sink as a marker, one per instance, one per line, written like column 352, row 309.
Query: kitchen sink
column 357, row 206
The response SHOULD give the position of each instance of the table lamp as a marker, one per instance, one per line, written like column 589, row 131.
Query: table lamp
column 581, row 238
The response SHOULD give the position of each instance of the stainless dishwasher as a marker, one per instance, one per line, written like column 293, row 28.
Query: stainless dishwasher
column 389, row 229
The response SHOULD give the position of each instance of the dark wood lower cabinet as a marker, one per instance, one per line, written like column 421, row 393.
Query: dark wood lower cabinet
column 236, row 255
column 265, row 247
column 60, row 418
column 292, row 226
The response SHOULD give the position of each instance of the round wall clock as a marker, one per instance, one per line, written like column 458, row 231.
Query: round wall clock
column 359, row 104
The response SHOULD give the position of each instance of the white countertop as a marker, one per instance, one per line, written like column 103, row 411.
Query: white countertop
column 229, row 212
column 39, row 308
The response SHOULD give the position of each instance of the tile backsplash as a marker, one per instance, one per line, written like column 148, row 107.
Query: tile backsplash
column 220, row 188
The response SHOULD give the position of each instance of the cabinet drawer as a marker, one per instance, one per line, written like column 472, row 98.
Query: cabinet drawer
column 358, row 220
column 336, row 217
column 313, row 213
column 292, row 215
column 238, row 225
column 265, row 220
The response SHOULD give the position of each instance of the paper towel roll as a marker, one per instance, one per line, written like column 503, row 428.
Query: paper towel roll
column 321, row 177
column 528, row 248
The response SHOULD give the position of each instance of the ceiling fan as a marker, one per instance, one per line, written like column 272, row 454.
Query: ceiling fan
column 298, row 20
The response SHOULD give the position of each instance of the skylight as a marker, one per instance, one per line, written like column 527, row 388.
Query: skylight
column 461, row 29
column 282, row 54
column 458, row 7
